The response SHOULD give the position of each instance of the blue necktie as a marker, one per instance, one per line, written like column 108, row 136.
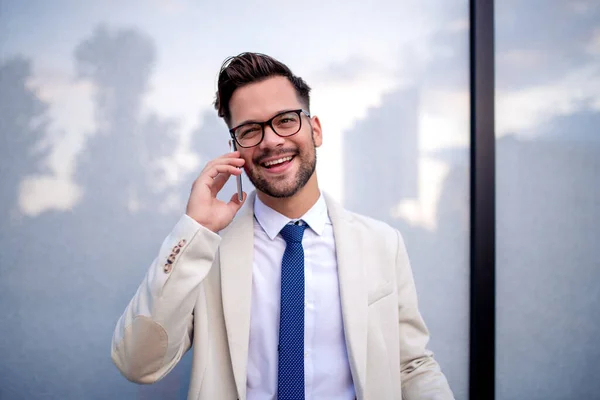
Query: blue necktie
column 290, row 381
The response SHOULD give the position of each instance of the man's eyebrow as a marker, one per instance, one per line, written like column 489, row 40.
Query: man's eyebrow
column 253, row 121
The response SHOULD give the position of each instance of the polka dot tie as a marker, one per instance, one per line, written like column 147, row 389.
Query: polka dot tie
column 290, row 382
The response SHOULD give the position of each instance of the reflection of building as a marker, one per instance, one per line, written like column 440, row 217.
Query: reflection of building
column 547, row 219
column 381, row 156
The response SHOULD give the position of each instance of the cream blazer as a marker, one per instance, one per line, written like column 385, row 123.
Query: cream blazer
column 199, row 288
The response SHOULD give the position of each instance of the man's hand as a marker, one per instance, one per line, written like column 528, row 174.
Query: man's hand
column 203, row 205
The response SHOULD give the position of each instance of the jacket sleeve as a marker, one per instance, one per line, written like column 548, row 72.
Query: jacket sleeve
column 421, row 376
column 156, row 328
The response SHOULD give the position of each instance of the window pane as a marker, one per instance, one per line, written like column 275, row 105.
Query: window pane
column 548, row 196
column 106, row 119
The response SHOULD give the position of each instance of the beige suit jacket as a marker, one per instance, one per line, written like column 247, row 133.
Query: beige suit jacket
column 199, row 289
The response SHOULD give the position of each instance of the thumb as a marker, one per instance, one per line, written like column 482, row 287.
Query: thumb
column 235, row 204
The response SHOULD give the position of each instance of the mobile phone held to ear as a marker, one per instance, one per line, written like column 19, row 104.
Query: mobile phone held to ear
column 239, row 177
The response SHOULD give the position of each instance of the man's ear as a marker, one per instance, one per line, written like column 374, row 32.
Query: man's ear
column 317, row 132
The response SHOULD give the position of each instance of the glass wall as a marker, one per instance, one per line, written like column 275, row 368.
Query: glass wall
column 548, row 199
column 106, row 119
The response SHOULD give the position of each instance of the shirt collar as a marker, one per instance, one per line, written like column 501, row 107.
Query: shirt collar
column 273, row 222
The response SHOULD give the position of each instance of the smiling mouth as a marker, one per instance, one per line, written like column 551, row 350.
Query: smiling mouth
column 278, row 162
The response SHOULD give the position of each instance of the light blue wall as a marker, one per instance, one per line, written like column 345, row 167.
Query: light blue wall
column 548, row 199
column 106, row 119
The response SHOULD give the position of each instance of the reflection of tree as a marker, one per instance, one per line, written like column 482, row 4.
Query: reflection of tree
column 23, row 128
column 122, row 162
column 70, row 275
column 122, row 174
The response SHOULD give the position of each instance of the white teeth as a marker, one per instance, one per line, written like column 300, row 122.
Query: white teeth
column 279, row 161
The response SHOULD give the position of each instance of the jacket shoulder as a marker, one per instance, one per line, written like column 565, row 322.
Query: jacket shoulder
column 374, row 225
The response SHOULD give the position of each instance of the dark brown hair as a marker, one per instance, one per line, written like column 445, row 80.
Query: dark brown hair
column 245, row 68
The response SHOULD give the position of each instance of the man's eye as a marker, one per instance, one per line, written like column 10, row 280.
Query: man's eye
column 287, row 120
column 248, row 131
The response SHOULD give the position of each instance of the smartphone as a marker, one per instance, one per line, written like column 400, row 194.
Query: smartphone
column 239, row 177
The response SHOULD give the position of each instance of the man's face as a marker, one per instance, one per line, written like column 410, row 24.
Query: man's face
column 268, row 165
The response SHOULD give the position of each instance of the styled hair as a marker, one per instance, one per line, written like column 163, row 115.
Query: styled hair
column 246, row 68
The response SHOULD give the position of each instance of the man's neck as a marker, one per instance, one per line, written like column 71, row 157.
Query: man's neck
column 296, row 206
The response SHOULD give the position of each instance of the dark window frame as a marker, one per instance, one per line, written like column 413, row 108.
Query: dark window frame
column 482, row 329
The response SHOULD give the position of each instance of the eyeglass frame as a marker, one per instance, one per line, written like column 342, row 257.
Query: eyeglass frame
column 269, row 122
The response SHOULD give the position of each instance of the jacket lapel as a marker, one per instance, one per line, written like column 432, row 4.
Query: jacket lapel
column 353, row 291
column 236, row 256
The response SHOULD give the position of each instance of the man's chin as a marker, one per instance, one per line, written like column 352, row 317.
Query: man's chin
column 281, row 189
column 278, row 192
column 278, row 186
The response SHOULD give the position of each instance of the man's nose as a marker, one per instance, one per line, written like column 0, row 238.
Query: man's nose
column 271, row 139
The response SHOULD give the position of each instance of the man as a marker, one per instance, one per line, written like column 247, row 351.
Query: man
column 294, row 298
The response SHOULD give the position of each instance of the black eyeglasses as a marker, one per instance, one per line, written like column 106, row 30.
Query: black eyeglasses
column 286, row 123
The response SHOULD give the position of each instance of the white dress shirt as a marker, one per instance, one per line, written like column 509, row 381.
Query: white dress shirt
column 326, row 367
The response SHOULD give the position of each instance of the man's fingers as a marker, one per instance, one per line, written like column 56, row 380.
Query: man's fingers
column 219, row 182
column 226, row 159
column 216, row 166
column 229, row 163
column 231, row 154
column 220, row 169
